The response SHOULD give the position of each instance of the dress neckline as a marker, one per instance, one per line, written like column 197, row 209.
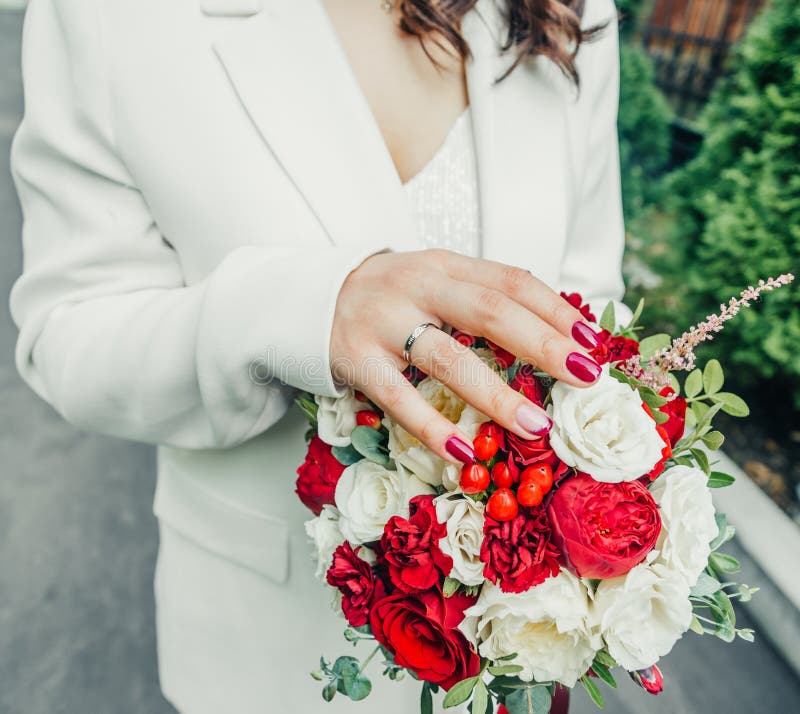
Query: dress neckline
column 454, row 127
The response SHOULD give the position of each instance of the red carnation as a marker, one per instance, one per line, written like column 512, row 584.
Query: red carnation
column 502, row 356
column 357, row 582
column 603, row 529
column 410, row 547
column 519, row 553
column 675, row 409
column 525, row 381
column 317, row 476
column 421, row 631
column 614, row 348
column 576, row 300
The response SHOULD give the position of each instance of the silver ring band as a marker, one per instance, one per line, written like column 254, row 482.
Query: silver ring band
column 414, row 336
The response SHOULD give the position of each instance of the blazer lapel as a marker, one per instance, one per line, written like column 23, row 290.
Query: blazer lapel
column 293, row 79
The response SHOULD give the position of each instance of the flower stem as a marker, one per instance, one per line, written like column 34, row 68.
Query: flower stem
column 368, row 659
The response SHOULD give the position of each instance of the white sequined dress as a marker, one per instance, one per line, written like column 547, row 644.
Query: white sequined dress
column 443, row 196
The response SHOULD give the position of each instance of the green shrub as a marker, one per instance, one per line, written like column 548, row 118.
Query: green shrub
column 737, row 204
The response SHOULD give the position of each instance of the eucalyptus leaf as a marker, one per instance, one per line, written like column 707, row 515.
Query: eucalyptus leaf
column 694, row 383
column 329, row 691
column 346, row 455
column 713, row 378
column 650, row 345
column 499, row 669
column 460, row 692
column 529, row 700
column 369, row 443
column 696, row 626
column 359, row 689
column 747, row 635
column 608, row 320
column 637, row 313
column 706, row 586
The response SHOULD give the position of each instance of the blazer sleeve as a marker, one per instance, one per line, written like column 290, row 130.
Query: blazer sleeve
column 593, row 258
column 110, row 334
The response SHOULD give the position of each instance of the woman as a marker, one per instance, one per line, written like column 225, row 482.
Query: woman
column 228, row 199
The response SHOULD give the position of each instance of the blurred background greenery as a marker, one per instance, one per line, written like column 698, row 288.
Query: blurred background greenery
column 710, row 147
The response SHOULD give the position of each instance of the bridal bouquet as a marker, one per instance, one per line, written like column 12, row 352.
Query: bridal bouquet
column 546, row 562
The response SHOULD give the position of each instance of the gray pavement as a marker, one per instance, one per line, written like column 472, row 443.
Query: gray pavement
column 78, row 543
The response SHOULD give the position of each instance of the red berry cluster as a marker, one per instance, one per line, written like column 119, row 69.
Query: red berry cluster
column 532, row 484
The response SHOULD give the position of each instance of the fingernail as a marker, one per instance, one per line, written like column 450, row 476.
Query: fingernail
column 583, row 367
column 533, row 420
column 459, row 449
column 584, row 335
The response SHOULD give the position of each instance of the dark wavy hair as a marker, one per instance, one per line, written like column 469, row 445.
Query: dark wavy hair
column 534, row 27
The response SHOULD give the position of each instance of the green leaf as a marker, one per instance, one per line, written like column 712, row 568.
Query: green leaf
column 480, row 698
column 713, row 440
column 701, row 459
column 706, row 586
column 346, row 455
column 723, row 563
column 508, row 657
column 604, row 673
column 650, row 345
column 747, row 635
column 696, row 626
column 717, row 479
column 460, row 692
column 604, row 658
column 649, row 397
column 369, row 443
column 732, row 404
column 704, row 424
column 359, row 689
column 426, row 699
column 713, row 378
column 529, row 700
column 608, row 320
column 329, row 691
column 498, row 669
column 637, row 313
column 694, row 383
column 593, row 691
column 674, row 383
column 450, row 587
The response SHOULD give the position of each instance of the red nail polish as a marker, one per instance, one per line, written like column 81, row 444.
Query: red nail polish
column 583, row 367
column 460, row 449
column 584, row 335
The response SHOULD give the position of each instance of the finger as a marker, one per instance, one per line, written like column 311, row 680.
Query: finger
column 492, row 314
column 527, row 290
column 439, row 355
column 386, row 386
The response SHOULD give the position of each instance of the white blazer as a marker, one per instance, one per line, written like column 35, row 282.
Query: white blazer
column 198, row 177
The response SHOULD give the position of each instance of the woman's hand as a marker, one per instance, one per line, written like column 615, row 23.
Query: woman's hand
column 390, row 294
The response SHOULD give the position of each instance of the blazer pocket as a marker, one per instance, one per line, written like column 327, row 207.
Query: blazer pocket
column 249, row 539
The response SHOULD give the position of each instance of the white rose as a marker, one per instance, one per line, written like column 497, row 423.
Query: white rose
column 336, row 418
column 464, row 520
column 326, row 536
column 368, row 495
column 407, row 450
column 546, row 626
column 603, row 430
column 687, row 520
column 642, row 614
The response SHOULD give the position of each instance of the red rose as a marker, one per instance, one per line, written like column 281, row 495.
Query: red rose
column 613, row 349
column 576, row 300
column 421, row 631
column 525, row 381
column 410, row 547
column 502, row 356
column 603, row 529
column 675, row 409
column 519, row 553
column 463, row 338
column 318, row 476
column 357, row 582
column 527, row 452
